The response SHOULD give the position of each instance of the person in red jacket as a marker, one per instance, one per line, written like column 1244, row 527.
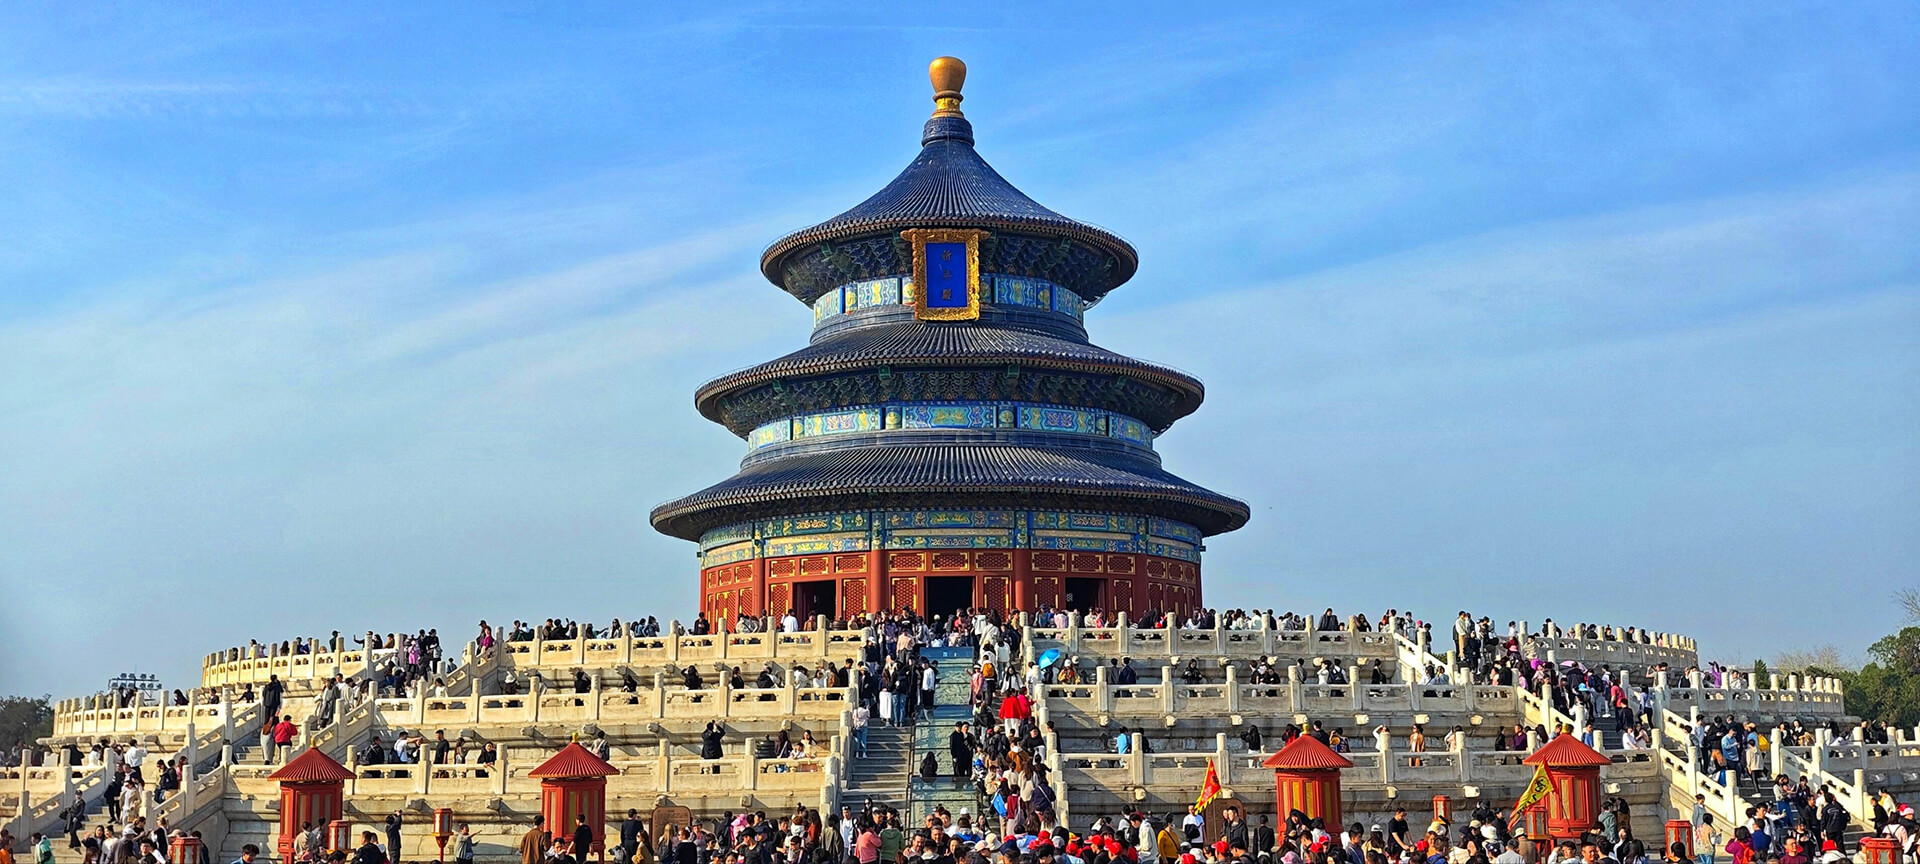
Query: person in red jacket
column 1014, row 709
column 283, row 734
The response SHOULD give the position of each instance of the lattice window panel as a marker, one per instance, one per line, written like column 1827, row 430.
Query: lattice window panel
column 1156, row 569
column 1121, row 593
column 853, row 597
column 1049, row 561
column 1086, row 563
column 1046, row 591
column 813, row 566
column 905, row 595
column 1157, row 597
column 1119, row 563
column 999, row 591
column 949, row 560
column 907, row 561
column 779, row 598
column 993, row 560
column 849, row 563
column 782, row 567
column 743, row 603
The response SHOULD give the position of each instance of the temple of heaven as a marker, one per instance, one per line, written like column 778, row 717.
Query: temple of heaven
column 949, row 438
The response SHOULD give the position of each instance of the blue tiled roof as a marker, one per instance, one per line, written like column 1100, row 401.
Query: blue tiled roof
column 948, row 185
column 956, row 474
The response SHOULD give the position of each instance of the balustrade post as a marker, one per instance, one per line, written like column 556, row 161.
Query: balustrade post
column 789, row 696
column 1353, row 688
column 1233, row 688
column 1384, row 746
column 1293, row 689
column 1073, row 634
column 1102, row 696
column 193, row 741
column 1168, row 699
column 726, row 696
column 626, row 644
column 593, row 693
column 820, row 635
column 500, row 772
column 226, row 714
column 1136, row 760
column 659, row 695
column 1220, row 760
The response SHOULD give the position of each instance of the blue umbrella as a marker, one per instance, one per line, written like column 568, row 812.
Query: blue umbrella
column 1050, row 657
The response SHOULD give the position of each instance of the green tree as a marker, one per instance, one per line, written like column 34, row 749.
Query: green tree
column 24, row 720
column 1888, row 687
column 1759, row 673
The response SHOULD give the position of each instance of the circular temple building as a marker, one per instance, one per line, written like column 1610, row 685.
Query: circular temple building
column 949, row 438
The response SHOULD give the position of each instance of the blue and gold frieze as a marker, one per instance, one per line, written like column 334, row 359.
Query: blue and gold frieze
column 949, row 519
column 959, row 540
column 1006, row 291
column 1046, row 418
column 1058, row 419
column 1109, row 522
column 815, row 523
column 1159, row 527
column 771, row 433
column 816, row 544
column 859, row 531
column 1078, row 543
column 836, row 422
column 732, row 554
column 1178, row 551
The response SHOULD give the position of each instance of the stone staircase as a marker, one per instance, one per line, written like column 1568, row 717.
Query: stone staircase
column 881, row 775
column 951, row 690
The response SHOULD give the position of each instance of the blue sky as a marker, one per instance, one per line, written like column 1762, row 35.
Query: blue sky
column 387, row 316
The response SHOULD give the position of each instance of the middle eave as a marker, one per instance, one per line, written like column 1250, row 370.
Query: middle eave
column 919, row 344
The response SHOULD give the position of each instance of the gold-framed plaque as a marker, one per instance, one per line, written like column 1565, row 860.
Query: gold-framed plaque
column 946, row 273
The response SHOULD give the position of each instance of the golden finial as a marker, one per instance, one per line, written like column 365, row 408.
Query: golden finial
column 948, row 75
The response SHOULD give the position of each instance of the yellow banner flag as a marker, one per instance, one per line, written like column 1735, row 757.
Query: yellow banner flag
column 1536, row 792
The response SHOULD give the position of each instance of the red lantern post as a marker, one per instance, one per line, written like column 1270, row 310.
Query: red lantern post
column 1306, row 777
column 185, row 849
column 1573, row 777
column 311, row 791
column 1443, row 809
column 574, row 783
column 1879, row 849
column 442, row 829
column 340, row 836
column 1680, row 831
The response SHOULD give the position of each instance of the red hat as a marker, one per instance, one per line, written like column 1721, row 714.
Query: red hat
column 1829, row 846
column 1220, row 848
column 1187, row 858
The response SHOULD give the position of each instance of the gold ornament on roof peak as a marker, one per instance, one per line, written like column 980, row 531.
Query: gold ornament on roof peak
column 948, row 75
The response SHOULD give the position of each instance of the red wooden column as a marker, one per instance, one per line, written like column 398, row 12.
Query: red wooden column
column 311, row 790
column 1306, row 777
column 1573, row 775
column 1023, row 580
column 876, row 581
column 574, row 782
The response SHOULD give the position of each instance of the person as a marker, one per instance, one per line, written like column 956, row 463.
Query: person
column 393, row 837
column 283, row 734
column 42, row 848
column 960, row 747
column 533, row 844
column 248, row 852
column 369, row 851
column 583, row 838
column 710, row 740
column 463, row 847
column 630, row 829
column 861, row 716
column 1706, row 839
